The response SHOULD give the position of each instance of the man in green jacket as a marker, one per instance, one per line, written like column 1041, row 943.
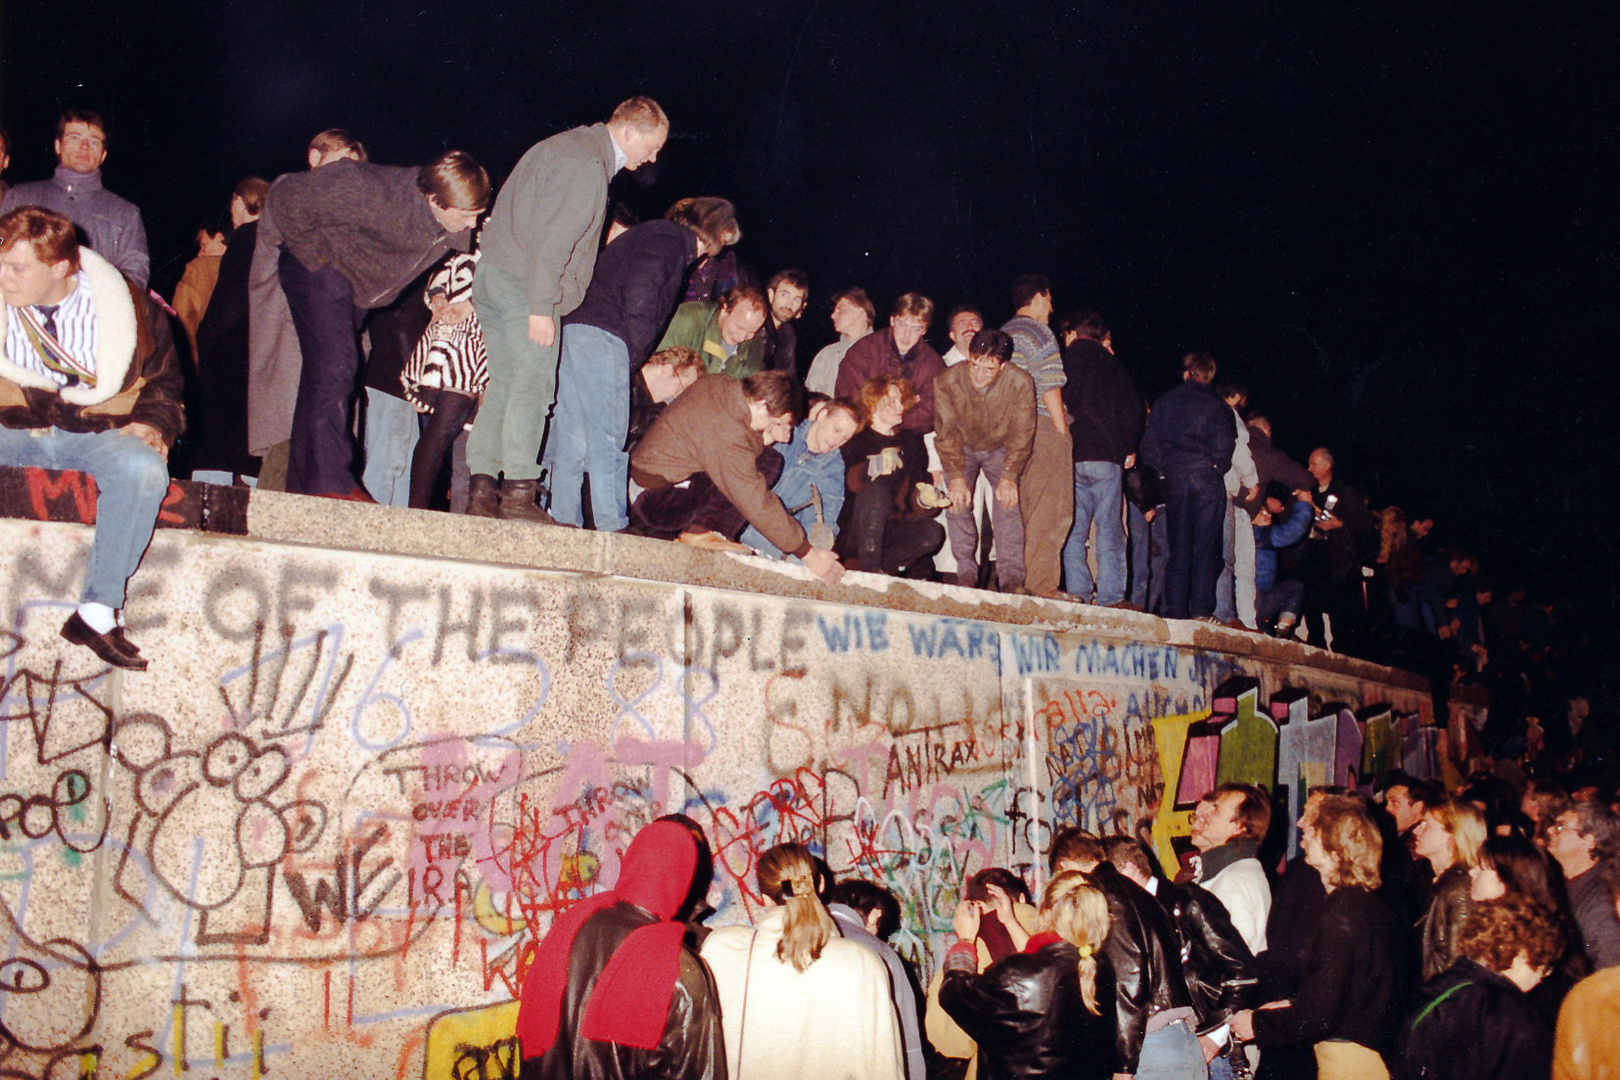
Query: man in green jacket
column 539, row 251
column 724, row 332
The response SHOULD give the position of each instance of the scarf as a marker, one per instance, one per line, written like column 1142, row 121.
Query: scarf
column 629, row 1000
column 1217, row 859
column 51, row 352
column 995, row 936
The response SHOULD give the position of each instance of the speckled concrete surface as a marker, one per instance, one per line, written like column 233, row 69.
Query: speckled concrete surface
column 376, row 750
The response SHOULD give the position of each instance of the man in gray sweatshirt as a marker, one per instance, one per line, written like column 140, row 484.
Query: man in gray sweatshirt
column 353, row 234
column 112, row 224
column 539, row 250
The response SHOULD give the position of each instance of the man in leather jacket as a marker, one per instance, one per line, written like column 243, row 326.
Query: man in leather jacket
column 1153, row 1011
column 1222, row 976
column 614, row 992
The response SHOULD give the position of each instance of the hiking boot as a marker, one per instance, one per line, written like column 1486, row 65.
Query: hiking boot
column 517, row 503
column 482, row 496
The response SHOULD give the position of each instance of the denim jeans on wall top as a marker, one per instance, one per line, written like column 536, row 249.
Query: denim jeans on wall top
column 391, row 432
column 1098, row 497
column 588, row 430
column 131, row 480
column 1009, row 525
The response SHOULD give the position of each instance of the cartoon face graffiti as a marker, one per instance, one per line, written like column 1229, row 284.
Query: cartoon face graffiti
column 215, row 821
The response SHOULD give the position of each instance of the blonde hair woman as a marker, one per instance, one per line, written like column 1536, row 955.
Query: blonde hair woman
column 1449, row 836
column 1349, row 1005
column 1034, row 1013
column 798, row 1002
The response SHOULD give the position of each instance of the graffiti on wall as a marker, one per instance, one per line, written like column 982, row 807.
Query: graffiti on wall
column 350, row 795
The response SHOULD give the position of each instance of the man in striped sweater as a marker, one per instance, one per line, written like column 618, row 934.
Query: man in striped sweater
column 1046, row 488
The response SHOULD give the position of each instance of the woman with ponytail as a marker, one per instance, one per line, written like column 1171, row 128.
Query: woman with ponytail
column 612, row 993
column 1034, row 1013
column 797, row 1001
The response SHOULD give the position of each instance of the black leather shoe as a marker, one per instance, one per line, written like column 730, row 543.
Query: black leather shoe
column 119, row 635
column 113, row 647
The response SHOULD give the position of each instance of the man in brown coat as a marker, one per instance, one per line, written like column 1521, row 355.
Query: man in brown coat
column 985, row 422
column 88, row 381
column 705, row 471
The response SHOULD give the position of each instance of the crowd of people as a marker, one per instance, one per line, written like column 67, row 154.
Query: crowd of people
column 1418, row 934
column 565, row 364
column 568, row 366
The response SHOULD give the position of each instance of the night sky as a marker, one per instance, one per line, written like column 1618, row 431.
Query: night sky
column 1395, row 222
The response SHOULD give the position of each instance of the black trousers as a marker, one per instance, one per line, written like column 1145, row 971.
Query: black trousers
column 452, row 412
column 883, row 540
column 1195, row 506
column 696, row 505
column 322, row 456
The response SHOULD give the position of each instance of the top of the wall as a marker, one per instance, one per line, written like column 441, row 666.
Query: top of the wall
column 227, row 513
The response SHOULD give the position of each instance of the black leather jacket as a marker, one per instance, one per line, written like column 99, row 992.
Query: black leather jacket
column 1441, row 925
column 1027, row 1016
column 692, row 1047
column 1221, row 973
column 1142, row 955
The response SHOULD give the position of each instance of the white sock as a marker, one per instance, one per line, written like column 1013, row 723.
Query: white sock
column 99, row 617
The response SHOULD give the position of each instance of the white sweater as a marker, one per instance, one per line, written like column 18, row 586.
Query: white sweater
column 833, row 1021
column 1243, row 888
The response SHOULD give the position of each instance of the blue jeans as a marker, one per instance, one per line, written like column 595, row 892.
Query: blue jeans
column 588, row 431
column 391, row 433
column 1171, row 1053
column 1098, row 496
column 131, row 480
column 522, row 381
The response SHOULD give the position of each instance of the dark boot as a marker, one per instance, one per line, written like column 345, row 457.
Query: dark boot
column 482, row 496
column 517, row 503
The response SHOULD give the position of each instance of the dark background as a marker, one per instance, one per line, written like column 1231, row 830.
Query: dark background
column 1394, row 221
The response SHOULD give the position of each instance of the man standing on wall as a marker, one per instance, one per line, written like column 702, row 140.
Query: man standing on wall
column 539, row 251
column 606, row 339
column 275, row 361
column 112, row 225
column 1107, row 412
column 1046, row 489
column 963, row 324
column 986, row 427
column 89, row 381
column 353, row 235
column 1189, row 440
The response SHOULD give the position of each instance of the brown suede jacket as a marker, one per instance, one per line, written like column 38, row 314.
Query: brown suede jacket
column 706, row 430
column 137, row 372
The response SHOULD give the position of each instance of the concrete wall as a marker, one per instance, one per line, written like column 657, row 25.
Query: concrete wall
column 354, row 785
